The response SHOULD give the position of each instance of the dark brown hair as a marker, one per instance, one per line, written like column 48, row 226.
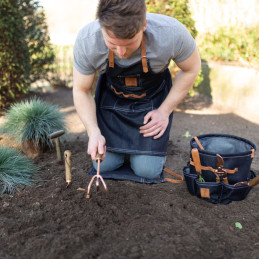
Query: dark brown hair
column 125, row 18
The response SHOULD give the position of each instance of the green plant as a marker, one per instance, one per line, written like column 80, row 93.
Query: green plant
column 15, row 170
column 32, row 121
column 231, row 44
column 25, row 50
column 178, row 9
column 62, row 67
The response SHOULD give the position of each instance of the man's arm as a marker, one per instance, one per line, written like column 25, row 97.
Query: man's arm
column 86, row 109
column 182, row 84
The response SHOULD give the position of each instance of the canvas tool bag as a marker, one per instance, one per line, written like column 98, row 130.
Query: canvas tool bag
column 219, row 168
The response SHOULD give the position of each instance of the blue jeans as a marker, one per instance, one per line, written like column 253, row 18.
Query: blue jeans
column 142, row 165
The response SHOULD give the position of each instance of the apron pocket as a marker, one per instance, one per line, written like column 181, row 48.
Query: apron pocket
column 209, row 191
column 133, row 106
column 108, row 100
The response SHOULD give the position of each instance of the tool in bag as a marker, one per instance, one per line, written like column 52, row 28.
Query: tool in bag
column 219, row 168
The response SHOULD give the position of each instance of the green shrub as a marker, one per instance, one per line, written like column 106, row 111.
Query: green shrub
column 15, row 170
column 178, row 9
column 33, row 120
column 231, row 44
column 25, row 51
column 63, row 66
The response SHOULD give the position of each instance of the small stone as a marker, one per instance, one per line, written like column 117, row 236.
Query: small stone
column 36, row 204
column 57, row 190
column 6, row 204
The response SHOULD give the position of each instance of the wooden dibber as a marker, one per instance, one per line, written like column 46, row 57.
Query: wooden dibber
column 67, row 159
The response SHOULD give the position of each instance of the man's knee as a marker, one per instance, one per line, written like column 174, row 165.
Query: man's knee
column 147, row 166
column 111, row 162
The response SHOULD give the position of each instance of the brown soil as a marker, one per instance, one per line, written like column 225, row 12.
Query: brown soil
column 131, row 220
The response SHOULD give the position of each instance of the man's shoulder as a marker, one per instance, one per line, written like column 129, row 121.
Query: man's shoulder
column 91, row 30
column 159, row 21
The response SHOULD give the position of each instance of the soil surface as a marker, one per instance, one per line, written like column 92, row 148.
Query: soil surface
column 131, row 220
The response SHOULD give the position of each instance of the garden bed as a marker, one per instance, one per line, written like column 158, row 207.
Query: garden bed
column 131, row 220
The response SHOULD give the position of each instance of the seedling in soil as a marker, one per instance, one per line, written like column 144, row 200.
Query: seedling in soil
column 238, row 225
column 186, row 134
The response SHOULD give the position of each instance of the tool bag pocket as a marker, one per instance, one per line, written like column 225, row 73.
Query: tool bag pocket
column 218, row 162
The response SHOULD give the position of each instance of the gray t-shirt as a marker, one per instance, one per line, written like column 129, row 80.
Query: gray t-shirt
column 166, row 39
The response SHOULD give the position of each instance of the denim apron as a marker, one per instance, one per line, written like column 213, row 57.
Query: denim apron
column 124, row 95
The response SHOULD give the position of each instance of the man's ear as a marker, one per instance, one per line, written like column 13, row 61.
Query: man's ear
column 145, row 26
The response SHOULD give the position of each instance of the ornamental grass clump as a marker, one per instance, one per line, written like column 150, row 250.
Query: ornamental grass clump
column 16, row 170
column 30, row 122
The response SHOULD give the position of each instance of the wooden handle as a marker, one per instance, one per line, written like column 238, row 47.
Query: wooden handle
column 58, row 149
column 67, row 158
column 254, row 181
column 99, row 157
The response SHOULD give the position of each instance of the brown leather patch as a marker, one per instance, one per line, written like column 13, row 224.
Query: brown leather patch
column 205, row 193
column 131, row 81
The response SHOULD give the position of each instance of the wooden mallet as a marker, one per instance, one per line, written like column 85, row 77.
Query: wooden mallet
column 55, row 135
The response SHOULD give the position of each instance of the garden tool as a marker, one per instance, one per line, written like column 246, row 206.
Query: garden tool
column 67, row 158
column 251, row 183
column 97, row 176
column 220, row 171
column 55, row 135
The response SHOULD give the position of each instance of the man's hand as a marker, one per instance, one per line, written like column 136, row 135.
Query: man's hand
column 155, row 124
column 96, row 145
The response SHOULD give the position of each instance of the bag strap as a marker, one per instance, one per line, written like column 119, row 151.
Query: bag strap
column 196, row 160
column 175, row 175
column 252, row 153
column 198, row 143
column 198, row 167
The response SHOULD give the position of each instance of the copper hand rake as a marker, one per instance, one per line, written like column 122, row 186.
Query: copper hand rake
column 97, row 176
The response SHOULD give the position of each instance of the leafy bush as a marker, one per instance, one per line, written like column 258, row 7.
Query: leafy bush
column 15, row 170
column 63, row 66
column 178, row 9
column 233, row 44
column 25, row 51
column 33, row 120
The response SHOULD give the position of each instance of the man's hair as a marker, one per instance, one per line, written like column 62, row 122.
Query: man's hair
column 125, row 18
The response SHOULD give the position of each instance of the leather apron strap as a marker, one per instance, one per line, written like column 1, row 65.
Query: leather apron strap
column 111, row 59
column 143, row 56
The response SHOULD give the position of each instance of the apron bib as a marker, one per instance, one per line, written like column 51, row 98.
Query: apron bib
column 124, row 95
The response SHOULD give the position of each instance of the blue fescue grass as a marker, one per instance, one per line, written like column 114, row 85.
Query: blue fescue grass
column 33, row 120
column 15, row 170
